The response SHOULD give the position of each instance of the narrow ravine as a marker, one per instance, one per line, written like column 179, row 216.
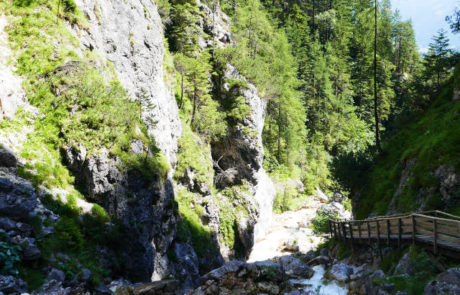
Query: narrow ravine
column 291, row 232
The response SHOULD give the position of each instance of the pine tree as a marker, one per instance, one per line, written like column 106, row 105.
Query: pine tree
column 438, row 60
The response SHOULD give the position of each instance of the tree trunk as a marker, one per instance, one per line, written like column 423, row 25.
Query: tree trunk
column 181, row 91
column 279, row 130
column 376, row 111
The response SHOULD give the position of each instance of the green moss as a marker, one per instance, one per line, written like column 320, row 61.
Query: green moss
column 194, row 154
column 233, row 210
column 69, row 236
column 33, row 277
column 192, row 226
column 424, row 270
column 100, row 213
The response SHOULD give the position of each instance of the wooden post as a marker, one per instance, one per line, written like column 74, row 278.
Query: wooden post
column 339, row 234
column 344, row 231
column 369, row 232
column 413, row 229
column 359, row 229
column 351, row 235
column 435, row 232
column 399, row 232
column 378, row 240
column 388, row 232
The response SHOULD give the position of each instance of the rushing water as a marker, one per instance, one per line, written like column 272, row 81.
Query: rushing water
column 318, row 286
column 265, row 194
column 294, row 225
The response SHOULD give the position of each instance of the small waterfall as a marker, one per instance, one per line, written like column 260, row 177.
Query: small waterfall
column 265, row 194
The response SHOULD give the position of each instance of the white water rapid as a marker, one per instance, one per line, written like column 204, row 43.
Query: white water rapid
column 293, row 228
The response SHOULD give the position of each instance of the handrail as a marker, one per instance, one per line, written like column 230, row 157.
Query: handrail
column 441, row 232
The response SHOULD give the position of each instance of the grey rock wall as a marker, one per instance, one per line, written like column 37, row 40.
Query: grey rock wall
column 130, row 35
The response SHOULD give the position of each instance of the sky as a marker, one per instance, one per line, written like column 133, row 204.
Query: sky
column 428, row 17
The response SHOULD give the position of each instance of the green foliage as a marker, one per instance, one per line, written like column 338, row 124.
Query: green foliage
column 192, row 226
column 321, row 222
column 427, row 143
column 193, row 154
column 33, row 277
column 82, row 103
column 68, row 235
column 100, row 213
column 424, row 270
column 9, row 258
column 268, row 272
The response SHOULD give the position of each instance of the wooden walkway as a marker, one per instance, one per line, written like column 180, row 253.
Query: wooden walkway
column 435, row 230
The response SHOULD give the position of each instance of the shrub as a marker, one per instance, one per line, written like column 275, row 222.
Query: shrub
column 9, row 258
column 320, row 223
column 69, row 235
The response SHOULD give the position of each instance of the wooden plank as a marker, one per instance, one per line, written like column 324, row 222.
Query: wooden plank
column 399, row 232
column 447, row 214
column 443, row 237
column 423, row 231
column 413, row 229
column 369, row 232
column 437, row 218
column 424, row 224
column 447, row 229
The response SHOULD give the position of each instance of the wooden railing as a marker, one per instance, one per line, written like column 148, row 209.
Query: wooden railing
column 434, row 228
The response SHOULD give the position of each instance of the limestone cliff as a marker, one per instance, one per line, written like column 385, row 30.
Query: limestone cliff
column 141, row 232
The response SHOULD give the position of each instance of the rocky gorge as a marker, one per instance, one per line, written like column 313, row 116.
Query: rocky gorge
column 140, row 153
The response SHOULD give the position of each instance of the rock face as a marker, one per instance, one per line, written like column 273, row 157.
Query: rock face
column 129, row 34
column 144, row 207
column 18, row 198
column 242, row 152
column 11, row 93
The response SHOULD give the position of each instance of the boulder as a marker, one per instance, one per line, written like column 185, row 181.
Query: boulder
column 7, row 157
column 290, row 246
column 85, row 275
column 447, row 282
column 157, row 287
column 405, row 266
column 30, row 250
column 18, row 198
column 337, row 197
column 295, row 268
column 56, row 274
column 324, row 260
column 218, row 273
column 10, row 284
column 340, row 272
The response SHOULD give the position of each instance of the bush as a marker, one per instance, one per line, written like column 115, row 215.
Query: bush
column 9, row 258
column 320, row 223
column 191, row 225
column 69, row 235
